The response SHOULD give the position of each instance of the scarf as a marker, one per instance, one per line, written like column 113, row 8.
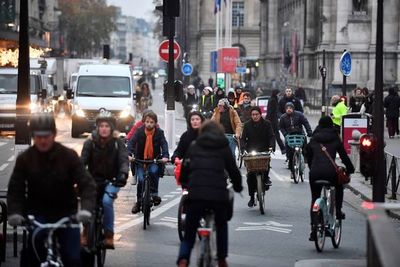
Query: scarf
column 148, row 147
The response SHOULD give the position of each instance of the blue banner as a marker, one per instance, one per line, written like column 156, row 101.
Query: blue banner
column 213, row 61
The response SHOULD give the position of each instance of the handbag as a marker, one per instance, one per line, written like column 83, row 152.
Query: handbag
column 342, row 176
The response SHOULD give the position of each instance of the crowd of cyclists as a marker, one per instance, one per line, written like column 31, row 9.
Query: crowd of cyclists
column 48, row 177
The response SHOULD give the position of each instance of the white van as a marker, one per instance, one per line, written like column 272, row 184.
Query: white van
column 102, row 87
column 8, row 96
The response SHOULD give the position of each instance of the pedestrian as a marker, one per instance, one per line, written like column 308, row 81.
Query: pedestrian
column 211, row 82
column 369, row 101
column 300, row 94
column 231, row 98
column 244, row 110
column 227, row 116
column 46, row 182
column 219, row 94
column 289, row 97
column 238, row 95
column 257, row 136
column 105, row 155
column 392, row 105
column 321, row 167
column 207, row 101
column 203, row 173
column 272, row 116
column 356, row 100
column 338, row 111
column 190, row 100
column 153, row 82
column 146, row 99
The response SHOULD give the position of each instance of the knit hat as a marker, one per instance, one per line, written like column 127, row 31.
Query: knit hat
column 325, row 122
column 224, row 102
column 289, row 104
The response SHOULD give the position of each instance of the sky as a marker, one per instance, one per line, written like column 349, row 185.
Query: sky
column 136, row 8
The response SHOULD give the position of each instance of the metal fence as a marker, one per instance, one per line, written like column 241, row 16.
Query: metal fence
column 392, row 175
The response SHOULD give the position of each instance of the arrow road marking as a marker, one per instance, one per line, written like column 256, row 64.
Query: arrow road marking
column 268, row 225
column 3, row 167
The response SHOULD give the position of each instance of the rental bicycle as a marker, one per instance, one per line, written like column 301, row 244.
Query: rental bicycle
column 296, row 142
column 258, row 163
column 207, row 249
column 182, row 214
column 240, row 152
column 324, row 219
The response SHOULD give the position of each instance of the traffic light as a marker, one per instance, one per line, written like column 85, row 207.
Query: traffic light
column 171, row 8
column 367, row 155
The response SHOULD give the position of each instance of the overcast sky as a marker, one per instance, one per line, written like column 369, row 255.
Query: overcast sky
column 136, row 8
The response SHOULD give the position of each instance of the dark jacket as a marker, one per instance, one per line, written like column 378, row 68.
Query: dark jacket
column 272, row 110
column 244, row 112
column 218, row 97
column 203, row 170
column 138, row 141
column 296, row 102
column 356, row 102
column 258, row 136
column 190, row 100
column 320, row 165
column 50, row 179
column 107, row 161
column 392, row 105
column 300, row 93
column 294, row 124
column 184, row 142
column 207, row 103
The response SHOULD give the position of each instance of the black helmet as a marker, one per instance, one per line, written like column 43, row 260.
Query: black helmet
column 42, row 124
column 106, row 116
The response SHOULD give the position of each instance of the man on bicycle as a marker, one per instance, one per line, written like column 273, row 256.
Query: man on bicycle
column 46, row 182
column 226, row 115
column 244, row 109
column 257, row 136
column 106, row 157
column 148, row 143
column 292, row 122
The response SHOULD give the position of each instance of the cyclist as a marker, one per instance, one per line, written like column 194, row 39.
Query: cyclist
column 189, row 100
column 257, row 136
column 289, row 97
column 227, row 116
column 292, row 122
column 148, row 143
column 338, row 111
column 203, row 174
column 321, row 168
column 106, row 157
column 207, row 101
column 43, row 184
column 244, row 109
column 238, row 95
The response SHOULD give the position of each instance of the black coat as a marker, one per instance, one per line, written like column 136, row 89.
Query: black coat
column 272, row 110
column 184, row 143
column 190, row 100
column 321, row 167
column 244, row 112
column 296, row 102
column 356, row 102
column 294, row 124
column 50, row 179
column 138, row 141
column 203, row 170
column 392, row 105
column 107, row 161
column 258, row 136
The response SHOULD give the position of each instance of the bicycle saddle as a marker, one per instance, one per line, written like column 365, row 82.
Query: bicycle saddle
column 322, row 182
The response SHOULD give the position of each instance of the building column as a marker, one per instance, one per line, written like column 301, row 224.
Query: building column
column 309, row 37
column 326, row 23
column 342, row 15
column 273, row 41
column 371, row 73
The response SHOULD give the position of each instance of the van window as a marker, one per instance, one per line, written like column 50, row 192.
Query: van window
column 9, row 84
column 103, row 86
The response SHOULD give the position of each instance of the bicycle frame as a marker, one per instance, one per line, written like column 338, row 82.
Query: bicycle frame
column 207, row 240
column 328, row 210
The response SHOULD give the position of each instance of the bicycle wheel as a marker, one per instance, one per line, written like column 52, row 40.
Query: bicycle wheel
column 319, row 230
column 302, row 167
column 261, row 193
column 100, row 248
column 296, row 167
column 181, row 217
column 337, row 234
column 101, row 256
column 146, row 204
column 204, row 258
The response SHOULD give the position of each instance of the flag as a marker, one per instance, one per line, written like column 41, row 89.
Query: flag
column 217, row 6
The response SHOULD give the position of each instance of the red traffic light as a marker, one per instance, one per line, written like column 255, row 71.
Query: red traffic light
column 367, row 142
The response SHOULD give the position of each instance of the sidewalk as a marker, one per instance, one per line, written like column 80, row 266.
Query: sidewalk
column 331, row 263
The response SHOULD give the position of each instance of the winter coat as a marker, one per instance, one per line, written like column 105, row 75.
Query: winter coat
column 300, row 93
column 203, row 170
column 258, row 136
column 190, row 100
column 356, row 102
column 338, row 112
column 184, row 142
column 138, row 141
column 244, row 112
column 107, row 161
column 272, row 110
column 320, row 166
column 235, row 120
column 207, row 103
column 392, row 105
column 50, row 178
column 296, row 102
column 294, row 124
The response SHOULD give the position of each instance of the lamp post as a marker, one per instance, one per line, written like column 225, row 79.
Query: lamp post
column 322, row 70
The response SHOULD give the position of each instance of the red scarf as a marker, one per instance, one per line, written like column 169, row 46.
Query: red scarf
column 148, row 147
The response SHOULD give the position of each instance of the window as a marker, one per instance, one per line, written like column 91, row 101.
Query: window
column 237, row 14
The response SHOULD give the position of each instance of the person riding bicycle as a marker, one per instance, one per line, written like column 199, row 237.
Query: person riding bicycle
column 148, row 143
column 190, row 99
column 203, row 174
column 106, row 157
column 244, row 109
column 289, row 97
column 207, row 101
column 257, row 136
column 46, row 182
column 321, row 168
column 226, row 115
column 292, row 122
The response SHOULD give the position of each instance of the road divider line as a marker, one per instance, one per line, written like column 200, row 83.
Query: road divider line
column 12, row 158
column 153, row 215
column 277, row 176
column 3, row 167
column 167, row 196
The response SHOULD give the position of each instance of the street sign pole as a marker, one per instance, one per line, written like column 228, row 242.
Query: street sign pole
column 322, row 70
column 378, row 182
column 171, row 74
column 344, row 88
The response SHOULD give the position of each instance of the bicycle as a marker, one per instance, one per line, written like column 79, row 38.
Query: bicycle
column 182, row 214
column 240, row 152
column 258, row 163
column 296, row 141
column 207, row 255
column 324, row 218
column 53, row 257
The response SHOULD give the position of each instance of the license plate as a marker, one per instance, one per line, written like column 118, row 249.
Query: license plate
column 5, row 125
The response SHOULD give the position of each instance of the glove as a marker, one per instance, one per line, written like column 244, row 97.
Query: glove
column 238, row 188
column 83, row 216
column 120, row 180
column 16, row 220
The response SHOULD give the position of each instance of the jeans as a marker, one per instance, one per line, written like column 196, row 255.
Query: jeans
column 69, row 247
column 195, row 211
column 154, row 179
column 232, row 143
column 110, row 194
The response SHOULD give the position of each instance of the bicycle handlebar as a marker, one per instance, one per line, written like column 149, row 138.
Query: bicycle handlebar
column 147, row 161
column 65, row 222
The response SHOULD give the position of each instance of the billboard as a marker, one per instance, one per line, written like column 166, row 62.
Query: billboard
column 227, row 59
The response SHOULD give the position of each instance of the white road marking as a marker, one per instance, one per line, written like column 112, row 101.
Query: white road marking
column 12, row 158
column 175, row 193
column 157, row 212
column 2, row 143
column 164, row 199
column 277, row 176
column 167, row 224
column 268, row 225
column 3, row 167
column 167, row 196
column 169, row 219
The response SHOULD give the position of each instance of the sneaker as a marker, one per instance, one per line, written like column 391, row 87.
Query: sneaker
column 341, row 215
column 136, row 207
column 268, row 182
column 222, row 263
column 311, row 237
column 251, row 203
column 156, row 200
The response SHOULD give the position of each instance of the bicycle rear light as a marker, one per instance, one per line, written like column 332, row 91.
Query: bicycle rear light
column 315, row 207
column 204, row 232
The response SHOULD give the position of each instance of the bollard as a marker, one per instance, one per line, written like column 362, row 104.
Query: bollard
column 355, row 150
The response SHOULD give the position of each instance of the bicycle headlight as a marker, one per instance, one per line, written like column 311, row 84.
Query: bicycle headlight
column 297, row 148
column 253, row 153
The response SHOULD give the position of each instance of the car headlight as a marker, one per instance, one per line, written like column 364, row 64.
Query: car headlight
column 33, row 107
column 125, row 113
column 79, row 112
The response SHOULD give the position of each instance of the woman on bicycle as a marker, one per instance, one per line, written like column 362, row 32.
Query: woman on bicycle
column 321, row 168
column 148, row 143
column 203, row 175
column 146, row 97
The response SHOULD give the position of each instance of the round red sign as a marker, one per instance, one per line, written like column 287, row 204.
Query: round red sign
column 163, row 50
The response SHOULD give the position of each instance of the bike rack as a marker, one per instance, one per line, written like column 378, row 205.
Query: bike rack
column 392, row 175
column 3, row 220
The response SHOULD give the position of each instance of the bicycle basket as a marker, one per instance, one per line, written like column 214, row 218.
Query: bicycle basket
column 257, row 163
column 295, row 140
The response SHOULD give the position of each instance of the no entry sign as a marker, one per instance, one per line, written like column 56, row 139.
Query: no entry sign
column 163, row 50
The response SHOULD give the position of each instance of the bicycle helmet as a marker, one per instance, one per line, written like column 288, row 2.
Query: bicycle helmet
column 42, row 124
column 106, row 116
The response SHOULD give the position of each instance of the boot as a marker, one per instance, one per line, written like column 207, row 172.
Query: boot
column 222, row 263
column 136, row 208
column 84, row 236
column 251, row 203
column 109, row 240
column 183, row 263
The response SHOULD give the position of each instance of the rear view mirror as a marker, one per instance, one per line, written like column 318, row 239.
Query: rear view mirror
column 70, row 94
column 43, row 94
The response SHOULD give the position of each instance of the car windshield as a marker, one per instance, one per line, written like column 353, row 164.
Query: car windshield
column 9, row 84
column 103, row 86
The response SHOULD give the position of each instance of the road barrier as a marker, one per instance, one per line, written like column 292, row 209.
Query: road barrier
column 392, row 175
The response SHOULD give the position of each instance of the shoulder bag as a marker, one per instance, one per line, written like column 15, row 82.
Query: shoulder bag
column 342, row 176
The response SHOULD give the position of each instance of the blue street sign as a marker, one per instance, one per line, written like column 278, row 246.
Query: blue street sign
column 214, row 61
column 187, row 69
column 345, row 63
column 241, row 70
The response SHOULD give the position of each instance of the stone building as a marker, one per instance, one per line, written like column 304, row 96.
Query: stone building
column 295, row 32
